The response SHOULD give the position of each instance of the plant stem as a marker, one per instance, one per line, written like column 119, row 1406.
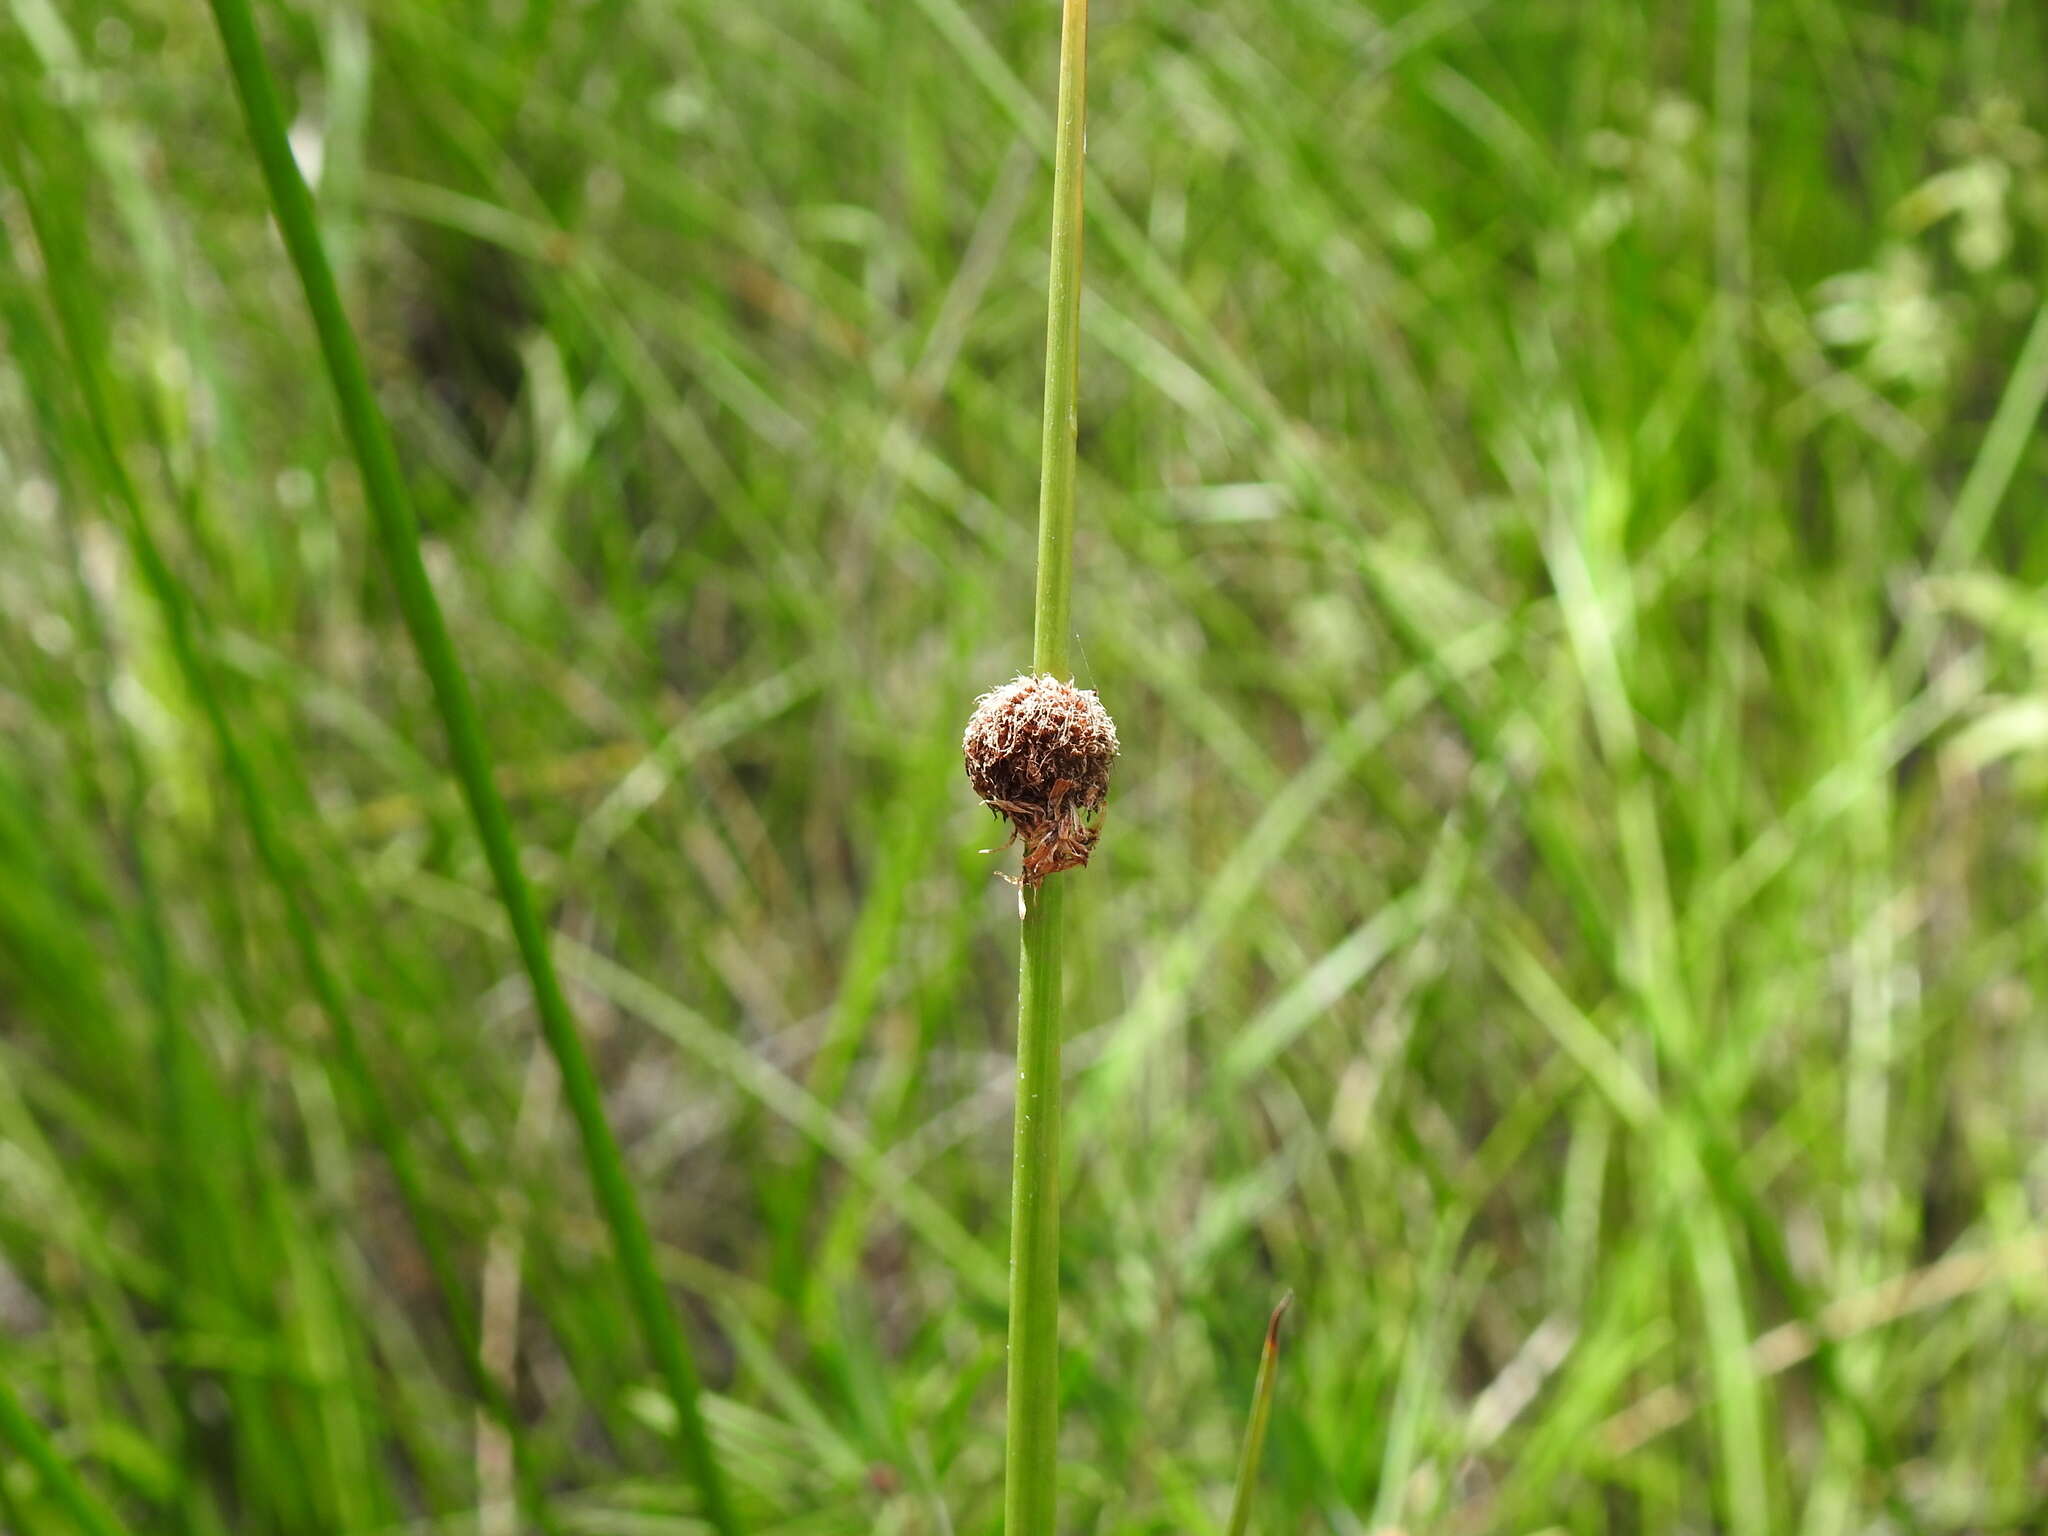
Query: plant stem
column 398, row 534
column 1031, row 1461
column 1255, row 1430
column 1062, row 355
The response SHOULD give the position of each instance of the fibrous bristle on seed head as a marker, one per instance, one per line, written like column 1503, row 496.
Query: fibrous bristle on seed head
column 1038, row 753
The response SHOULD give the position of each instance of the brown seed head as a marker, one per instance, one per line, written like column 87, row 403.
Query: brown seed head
column 1038, row 753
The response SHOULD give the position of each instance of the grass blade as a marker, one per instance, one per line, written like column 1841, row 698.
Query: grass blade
column 1255, row 1431
column 33, row 1446
column 398, row 536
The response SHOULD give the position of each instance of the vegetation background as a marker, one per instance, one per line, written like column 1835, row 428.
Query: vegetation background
column 1561, row 538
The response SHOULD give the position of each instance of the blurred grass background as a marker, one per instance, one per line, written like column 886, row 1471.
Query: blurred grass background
column 1561, row 538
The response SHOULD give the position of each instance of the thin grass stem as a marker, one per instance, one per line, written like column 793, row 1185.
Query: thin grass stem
column 1050, row 622
column 1031, row 1460
column 1255, row 1430
column 397, row 534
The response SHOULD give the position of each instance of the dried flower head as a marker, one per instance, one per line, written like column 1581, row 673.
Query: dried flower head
column 1038, row 753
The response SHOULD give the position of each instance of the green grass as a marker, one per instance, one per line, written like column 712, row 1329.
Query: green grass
column 398, row 535
column 1252, row 1457
column 1557, row 527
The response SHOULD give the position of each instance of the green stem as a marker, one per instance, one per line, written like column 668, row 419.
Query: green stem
column 1255, row 1431
column 1062, row 355
column 1031, row 1462
column 1031, row 1465
column 398, row 534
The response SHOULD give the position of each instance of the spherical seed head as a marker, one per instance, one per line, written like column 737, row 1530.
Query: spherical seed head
column 1038, row 753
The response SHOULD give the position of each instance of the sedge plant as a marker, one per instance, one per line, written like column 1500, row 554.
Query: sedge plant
column 1038, row 752
column 397, row 534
